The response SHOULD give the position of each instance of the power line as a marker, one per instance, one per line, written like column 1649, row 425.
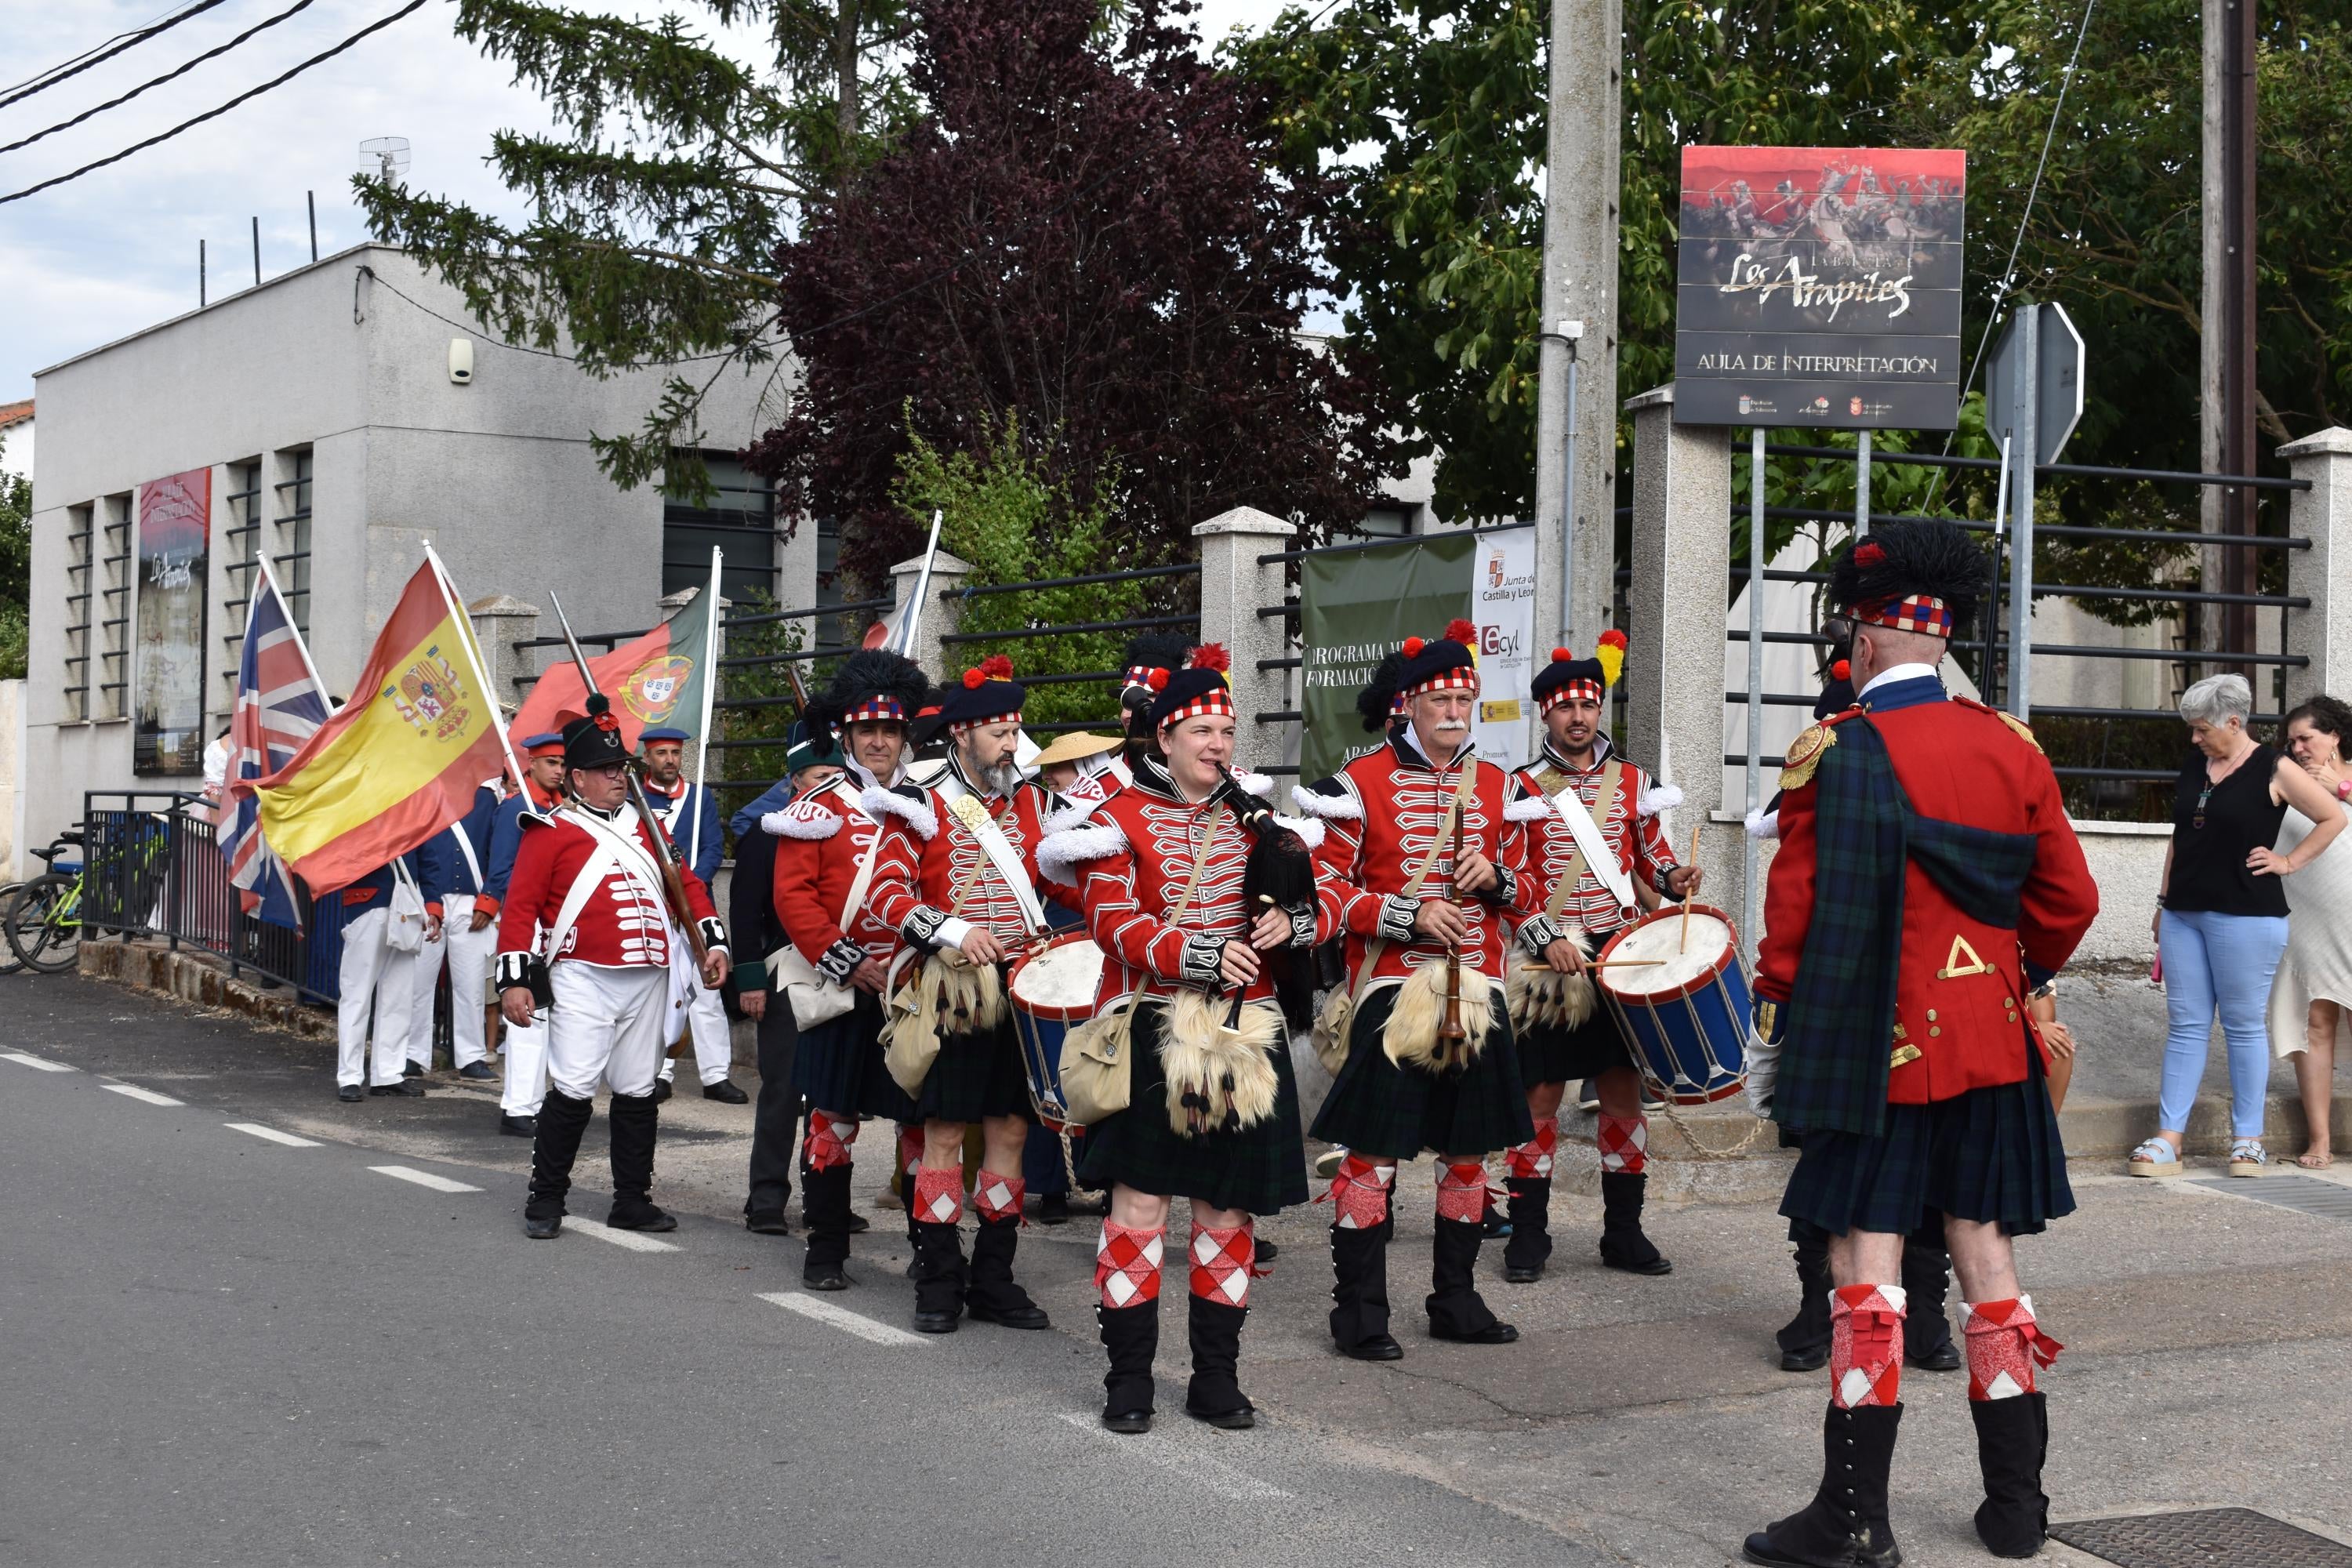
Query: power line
column 103, row 53
column 158, row 81
column 277, row 80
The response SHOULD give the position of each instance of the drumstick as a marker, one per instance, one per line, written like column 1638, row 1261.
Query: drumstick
column 1595, row 964
column 1686, row 897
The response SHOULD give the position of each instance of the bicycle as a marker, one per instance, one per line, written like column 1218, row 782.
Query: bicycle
column 43, row 917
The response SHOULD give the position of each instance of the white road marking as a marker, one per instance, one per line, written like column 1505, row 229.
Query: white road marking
column 422, row 1179
column 43, row 1063
column 629, row 1238
column 845, row 1319
column 271, row 1133
column 135, row 1093
column 1152, row 1448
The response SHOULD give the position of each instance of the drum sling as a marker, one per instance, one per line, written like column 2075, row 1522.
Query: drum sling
column 947, row 995
column 1538, row 996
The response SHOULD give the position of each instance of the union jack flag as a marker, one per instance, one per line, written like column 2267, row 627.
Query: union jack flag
column 278, row 703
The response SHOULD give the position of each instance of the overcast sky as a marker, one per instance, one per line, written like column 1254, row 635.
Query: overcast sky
column 115, row 251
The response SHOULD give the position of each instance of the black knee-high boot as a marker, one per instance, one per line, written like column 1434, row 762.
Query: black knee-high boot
column 994, row 1296
column 1359, row 1293
column 635, row 1120
column 1215, row 1393
column 1456, row 1310
column 824, row 1200
column 2012, row 1443
column 1529, row 1247
column 940, row 1278
column 1805, row 1338
column 1622, row 1244
column 1130, row 1335
column 562, row 1121
column 1845, row 1525
column 1927, row 1281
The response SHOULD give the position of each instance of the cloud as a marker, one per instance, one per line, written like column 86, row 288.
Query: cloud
column 115, row 251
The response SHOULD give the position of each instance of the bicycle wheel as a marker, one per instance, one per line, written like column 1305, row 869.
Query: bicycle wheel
column 44, row 923
column 9, row 961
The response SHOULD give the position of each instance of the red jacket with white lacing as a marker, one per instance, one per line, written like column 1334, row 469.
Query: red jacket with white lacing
column 1381, row 811
column 1632, row 830
column 623, row 923
column 1131, row 855
column 927, row 851
column 821, row 840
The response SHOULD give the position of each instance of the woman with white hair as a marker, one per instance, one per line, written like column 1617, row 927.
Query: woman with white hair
column 2221, row 920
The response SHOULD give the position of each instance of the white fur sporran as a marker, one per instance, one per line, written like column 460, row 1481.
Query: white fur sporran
column 1218, row 1079
column 1542, row 998
column 1409, row 1037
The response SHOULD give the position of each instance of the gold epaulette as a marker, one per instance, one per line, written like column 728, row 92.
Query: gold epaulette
column 2017, row 726
column 1805, row 755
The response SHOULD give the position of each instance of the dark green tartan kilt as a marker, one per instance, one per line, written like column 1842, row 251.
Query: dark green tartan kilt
column 977, row 1076
column 1991, row 1155
column 1259, row 1170
column 838, row 1065
column 1378, row 1108
column 1557, row 1055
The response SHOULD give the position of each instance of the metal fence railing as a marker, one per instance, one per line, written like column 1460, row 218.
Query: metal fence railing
column 151, row 868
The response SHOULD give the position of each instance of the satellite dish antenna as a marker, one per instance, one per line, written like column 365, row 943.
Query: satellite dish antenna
column 384, row 156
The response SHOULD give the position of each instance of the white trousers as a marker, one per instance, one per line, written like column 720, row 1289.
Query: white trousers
column 375, row 980
column 714, row 1041
column 468, row 955
column 607, row 1025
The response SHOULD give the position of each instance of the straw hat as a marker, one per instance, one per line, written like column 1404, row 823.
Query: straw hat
column 1076, row 747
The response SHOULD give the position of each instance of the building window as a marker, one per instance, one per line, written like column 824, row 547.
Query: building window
column 114, row 609
column 291, row 558
column 241, row 547
column 740, row 519
column 1387, row 523
column 82, row 585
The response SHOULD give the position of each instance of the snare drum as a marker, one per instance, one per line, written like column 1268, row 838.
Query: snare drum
column 1052, row 986
column 1685, row 1008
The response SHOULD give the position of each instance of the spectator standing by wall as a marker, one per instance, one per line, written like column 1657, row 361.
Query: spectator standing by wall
column 2311, row 997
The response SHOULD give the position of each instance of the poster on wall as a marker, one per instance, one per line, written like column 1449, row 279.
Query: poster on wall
column 167, row 667
column 1355, row 607
column 1820, row 286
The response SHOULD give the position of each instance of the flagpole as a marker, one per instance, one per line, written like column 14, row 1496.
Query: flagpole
column 300, row 647
column 922, row 588
column 474, row 656
column 710, row 647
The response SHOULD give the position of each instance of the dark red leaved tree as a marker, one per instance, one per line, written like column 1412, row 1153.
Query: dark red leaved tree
column 1086, row 230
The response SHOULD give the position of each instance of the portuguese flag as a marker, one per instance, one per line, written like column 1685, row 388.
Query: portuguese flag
column 661, row 678
column 398, row 762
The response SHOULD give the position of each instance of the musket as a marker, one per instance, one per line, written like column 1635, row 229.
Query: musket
column 673, row 873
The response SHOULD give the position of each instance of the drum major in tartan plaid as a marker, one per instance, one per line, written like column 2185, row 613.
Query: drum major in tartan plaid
column 1992, row 1155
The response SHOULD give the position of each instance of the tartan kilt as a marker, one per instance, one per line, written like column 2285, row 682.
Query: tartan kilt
column 1376, row 1107
column 1558, row 1056
column 838, row 1065
column 977, row 1076
column 1991, row 1155
column 1259, row 1170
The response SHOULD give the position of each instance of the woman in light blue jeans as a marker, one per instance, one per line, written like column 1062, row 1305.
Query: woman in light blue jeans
column 2221, row 921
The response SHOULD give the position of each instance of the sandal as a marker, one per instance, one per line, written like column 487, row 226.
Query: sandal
column 2154, row 1158
column 2246, row 1157
column 2311, row 1160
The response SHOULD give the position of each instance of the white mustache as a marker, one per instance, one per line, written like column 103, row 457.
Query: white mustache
column 1451, row 727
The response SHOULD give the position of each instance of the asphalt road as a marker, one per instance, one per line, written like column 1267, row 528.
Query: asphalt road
column 226, row 1348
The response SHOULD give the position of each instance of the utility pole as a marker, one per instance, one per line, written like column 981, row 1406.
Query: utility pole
column 2226, row 351
column 1580, row 285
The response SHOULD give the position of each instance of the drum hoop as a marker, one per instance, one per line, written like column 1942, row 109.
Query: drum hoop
column 1052, row 1012
column 1672, row 993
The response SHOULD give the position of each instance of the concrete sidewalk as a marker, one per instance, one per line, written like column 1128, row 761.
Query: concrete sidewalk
column 2208, row 1332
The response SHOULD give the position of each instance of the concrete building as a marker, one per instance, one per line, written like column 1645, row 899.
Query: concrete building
column 336, row 419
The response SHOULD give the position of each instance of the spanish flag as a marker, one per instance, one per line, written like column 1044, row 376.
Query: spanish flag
column 401, row 760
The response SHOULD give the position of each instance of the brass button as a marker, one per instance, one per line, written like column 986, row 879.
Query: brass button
column 1931, row 1015
column 1932, row 1033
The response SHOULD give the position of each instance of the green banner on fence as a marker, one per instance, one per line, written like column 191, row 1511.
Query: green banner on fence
column 1356, row 605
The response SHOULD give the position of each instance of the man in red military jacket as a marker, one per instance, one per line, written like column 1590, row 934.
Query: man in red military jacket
column 956, row 876
column 827, row 851
column 1899, row 1053
column 588, row 879
column 1406, row 891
